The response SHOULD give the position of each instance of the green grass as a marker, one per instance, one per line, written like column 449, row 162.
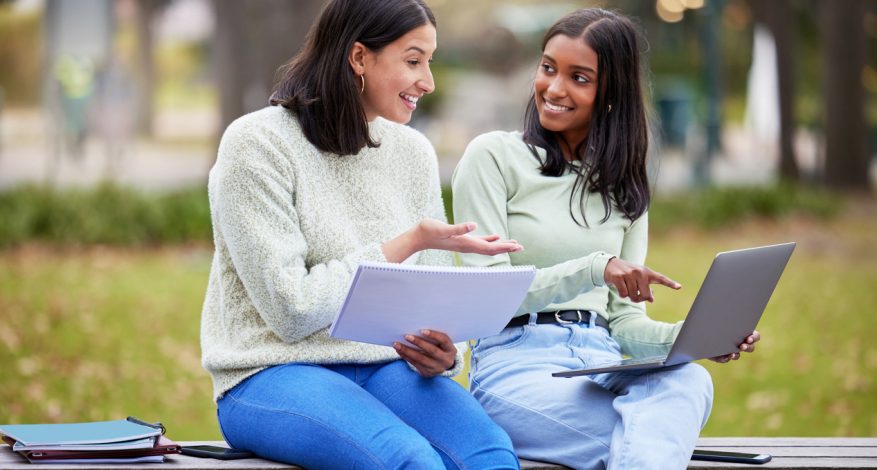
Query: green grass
column 102, row 333
column 815, row 371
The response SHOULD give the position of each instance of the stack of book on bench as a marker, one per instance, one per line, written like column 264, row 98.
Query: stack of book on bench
column 121, row 441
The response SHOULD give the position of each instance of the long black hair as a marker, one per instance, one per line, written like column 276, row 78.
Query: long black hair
column 318, row 83
column 613, row 154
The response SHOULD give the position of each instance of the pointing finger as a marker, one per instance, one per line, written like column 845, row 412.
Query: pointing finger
column 658, row 278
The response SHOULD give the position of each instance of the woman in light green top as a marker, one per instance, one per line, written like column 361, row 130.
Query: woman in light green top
column 572, row 188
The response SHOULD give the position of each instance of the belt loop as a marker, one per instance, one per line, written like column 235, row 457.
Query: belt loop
column 533, row 316
column 592, row 322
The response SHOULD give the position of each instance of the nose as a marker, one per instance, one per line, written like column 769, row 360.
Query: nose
column 426, row 83
column 556, row 88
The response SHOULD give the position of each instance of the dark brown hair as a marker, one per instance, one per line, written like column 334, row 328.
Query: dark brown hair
column 613, row 155
column 318, row 83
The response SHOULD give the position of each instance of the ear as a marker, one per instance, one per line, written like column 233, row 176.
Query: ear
column 356, row 57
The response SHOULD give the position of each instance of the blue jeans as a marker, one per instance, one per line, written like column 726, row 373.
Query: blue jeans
column 620, row 420
column 380, row 416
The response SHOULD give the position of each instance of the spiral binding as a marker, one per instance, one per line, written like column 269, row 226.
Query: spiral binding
column 451, row 270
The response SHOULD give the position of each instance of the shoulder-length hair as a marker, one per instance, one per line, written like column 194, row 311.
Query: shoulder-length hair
column 613, row 154
column 318, row 83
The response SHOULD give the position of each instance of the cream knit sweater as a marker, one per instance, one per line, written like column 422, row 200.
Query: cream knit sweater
column 290, row 225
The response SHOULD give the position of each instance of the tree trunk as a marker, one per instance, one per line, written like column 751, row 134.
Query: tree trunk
column 146, row 10
column 846, row 161
column 275, row 30
column 777, row 15
column 252, row 40
column 229, row 55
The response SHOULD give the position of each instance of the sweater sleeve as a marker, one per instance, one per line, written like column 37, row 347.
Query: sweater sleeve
column 252, row 202
column 480, row 196
column 636, row 333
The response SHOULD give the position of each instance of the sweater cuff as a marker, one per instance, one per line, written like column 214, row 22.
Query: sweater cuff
column 370, row 252
column 598, row 268
column 459, row 362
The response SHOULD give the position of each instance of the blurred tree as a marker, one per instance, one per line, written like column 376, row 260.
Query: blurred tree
column 777, row 16
column 844, row 44
column 20, row 67
column 252, row 40
column 146, row 13
column 228, row 50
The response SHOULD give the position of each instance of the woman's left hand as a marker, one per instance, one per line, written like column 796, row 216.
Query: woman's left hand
column 435, row 352
column 748, row 345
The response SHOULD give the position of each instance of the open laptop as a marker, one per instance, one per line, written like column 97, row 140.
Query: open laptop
column 727, row 308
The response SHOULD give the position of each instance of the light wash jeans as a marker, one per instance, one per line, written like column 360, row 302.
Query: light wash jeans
column 620, row 420
column 381, row 416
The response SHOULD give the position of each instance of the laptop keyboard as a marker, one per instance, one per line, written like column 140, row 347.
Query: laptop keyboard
column 636, row 360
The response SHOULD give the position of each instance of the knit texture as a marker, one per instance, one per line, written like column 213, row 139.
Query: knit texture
column 290, row 225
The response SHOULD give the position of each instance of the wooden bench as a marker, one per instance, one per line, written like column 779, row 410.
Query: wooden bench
column 788, row 453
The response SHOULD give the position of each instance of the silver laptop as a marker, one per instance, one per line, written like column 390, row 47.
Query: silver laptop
column 727, row 308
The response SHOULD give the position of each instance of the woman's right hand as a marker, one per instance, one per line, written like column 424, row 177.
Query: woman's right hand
column 431, row 234
column 632, row 280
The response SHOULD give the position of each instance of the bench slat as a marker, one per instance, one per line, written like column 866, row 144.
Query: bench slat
column 788, row 453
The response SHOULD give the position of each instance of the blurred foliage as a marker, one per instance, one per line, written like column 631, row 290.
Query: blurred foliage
column 105, row 214
column 20, row 58
column 183, row 79
column 112, row 215
column 714, row 207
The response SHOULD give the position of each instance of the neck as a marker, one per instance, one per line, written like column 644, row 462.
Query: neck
column 568, row 144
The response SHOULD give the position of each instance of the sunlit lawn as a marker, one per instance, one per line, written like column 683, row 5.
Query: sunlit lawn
column 105, row 333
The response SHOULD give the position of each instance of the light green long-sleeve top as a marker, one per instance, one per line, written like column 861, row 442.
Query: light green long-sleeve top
column 498, row 185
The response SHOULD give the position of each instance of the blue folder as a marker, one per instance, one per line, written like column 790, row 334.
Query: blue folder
column 100, row 432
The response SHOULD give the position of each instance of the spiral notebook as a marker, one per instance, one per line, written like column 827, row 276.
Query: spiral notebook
column 386, row 301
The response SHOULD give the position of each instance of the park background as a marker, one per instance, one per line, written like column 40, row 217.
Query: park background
column 765, row 127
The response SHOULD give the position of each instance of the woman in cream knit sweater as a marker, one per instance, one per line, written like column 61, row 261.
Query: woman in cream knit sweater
column 301, row 193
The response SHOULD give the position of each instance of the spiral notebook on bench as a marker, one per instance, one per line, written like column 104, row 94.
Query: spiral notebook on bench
column 386, row 301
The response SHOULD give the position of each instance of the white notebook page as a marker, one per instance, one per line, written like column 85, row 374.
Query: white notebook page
column 386, row 301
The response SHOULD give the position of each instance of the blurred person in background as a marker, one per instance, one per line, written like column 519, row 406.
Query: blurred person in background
column 114, row 109
column 74, row 87
column 572, row 187
column 302, row 192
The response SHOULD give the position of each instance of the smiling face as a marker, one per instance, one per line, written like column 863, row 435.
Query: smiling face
column 398, row 75
column 566, row 87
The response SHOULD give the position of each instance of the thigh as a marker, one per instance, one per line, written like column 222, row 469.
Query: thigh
column 446, row 415
column 662, row 412
column 567, row 421
column 314, row 417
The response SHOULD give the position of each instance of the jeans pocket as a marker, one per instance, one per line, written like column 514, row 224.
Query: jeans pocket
column 505, row 339
column 611, row 344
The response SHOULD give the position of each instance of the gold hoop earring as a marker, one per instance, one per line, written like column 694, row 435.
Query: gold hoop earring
column 362, row 77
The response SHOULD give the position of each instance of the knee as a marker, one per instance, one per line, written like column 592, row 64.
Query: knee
column 497, row 441
column 413, row 453
column 489, row 447
column 699, row 384
column 700, row 380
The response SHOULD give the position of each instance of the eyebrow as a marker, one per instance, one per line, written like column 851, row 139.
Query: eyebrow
column 416, row 49
column 576, row 67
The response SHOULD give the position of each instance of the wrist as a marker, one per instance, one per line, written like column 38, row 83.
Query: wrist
column 414, row 238
column 601, row 263
column 403, row 246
